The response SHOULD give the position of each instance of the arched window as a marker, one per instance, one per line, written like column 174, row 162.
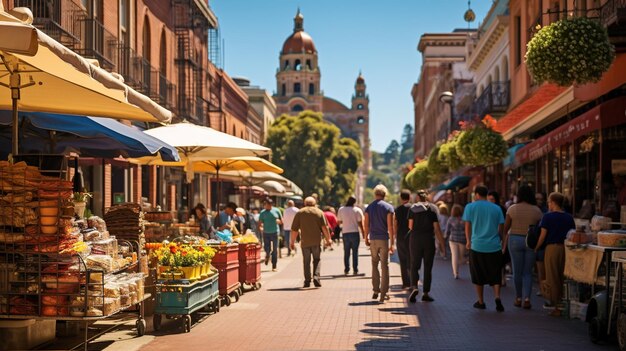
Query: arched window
column 308, row 64
column 283, row 90
column 286, row 64
column 359, row 93
column 145, row 45
column 298, row 65
column 360, row 120
column 234, row 130
column 163, row 55
column 496, row 74
column 297, row 108
column 311, row 89
column 297, row 88
column 359, row 106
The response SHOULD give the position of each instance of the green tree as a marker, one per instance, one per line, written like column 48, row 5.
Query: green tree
column 407, row 138
column 313, row 156
column 392, row 152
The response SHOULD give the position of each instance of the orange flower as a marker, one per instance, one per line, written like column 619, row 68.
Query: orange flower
column 489, row 122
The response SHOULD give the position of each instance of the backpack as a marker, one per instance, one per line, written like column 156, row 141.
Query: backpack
column 532, row 236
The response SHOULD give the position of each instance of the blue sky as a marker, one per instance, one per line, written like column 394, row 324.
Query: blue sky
column 378, row 37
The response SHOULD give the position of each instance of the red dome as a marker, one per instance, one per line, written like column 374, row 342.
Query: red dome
column 299, row 42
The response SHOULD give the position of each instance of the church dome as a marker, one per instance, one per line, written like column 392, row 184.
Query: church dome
column 300, row 41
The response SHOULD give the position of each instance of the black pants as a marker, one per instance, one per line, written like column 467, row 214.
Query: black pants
column 422, row 248
column 404, row 254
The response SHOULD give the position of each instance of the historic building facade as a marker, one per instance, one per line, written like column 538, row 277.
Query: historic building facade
column 298, row 88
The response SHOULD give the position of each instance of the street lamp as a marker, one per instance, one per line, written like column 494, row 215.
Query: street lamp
column 447, row 97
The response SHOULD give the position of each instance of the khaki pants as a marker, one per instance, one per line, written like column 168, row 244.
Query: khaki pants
column 554, row 261
column 380, row 253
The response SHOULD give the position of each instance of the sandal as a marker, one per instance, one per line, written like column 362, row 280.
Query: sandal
column 518, row 302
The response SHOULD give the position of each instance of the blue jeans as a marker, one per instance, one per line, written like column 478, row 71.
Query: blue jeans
column 270, row 242
column 523, row 260
column 351, row 241
column 287, row 240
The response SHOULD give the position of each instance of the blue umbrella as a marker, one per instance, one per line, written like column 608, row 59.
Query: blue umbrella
column 89, row 136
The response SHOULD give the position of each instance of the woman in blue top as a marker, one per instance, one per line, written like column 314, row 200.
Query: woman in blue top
column 554, row 227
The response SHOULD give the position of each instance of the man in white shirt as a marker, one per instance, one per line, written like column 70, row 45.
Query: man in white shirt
column 350, row 219
column 288, row 216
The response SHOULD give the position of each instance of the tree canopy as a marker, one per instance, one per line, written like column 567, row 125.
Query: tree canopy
column 314, row 156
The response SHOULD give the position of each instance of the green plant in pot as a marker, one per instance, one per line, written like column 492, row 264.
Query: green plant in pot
column 80, row 202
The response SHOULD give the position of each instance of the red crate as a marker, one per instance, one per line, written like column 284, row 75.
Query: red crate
column 226, row 261
column 249, row 263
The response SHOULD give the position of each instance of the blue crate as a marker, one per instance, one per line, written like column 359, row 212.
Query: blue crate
column 181, row 299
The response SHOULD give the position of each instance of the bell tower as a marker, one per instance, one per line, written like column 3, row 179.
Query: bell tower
column 361, row 112
column 298, row 75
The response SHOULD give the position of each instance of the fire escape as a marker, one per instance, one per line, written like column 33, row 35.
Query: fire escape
column 190, row 27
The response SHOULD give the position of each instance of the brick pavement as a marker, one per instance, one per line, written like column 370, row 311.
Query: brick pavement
column 341, row 316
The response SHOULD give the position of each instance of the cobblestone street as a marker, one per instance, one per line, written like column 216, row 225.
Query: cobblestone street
column 341, row 316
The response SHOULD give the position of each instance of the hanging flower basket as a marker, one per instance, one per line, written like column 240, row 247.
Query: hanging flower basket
column 419, row 176
column 570, row 51
column 448, row 153
column 436, row 167
column 480, row 145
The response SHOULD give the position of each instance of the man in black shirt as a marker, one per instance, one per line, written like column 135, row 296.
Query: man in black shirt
column 401, row 227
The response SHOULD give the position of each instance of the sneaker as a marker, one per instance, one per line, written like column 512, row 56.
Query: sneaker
column 307, row 285
column 480, row 306
column 355, row 272
column 427, row 298
column 499, row 306
column 267, row 260
column 274, row 270
column 374, row 296
column 346, row 272
column 317, row 283
column 548, row 306
column 413, row 295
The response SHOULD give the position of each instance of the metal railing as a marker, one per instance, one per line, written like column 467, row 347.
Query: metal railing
column 98, row 43
column 535, row 26
column 494, row 99
column 613, row 11
column 60, row 19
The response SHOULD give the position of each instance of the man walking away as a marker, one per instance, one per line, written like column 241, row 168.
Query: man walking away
column 331, row 219
column 401, row 229
column 483, row 230
column 379, row 237
column 290, row 213
column 424, row 226
column 350, row 219
column 310, row 221
column 269, row 220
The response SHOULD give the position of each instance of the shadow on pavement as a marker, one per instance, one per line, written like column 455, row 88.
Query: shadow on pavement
column 290, row 289
column 364, row 303
column 335, row 276
column 385, row 325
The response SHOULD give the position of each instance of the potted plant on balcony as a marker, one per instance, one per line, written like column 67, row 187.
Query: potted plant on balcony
column 480, row 145
column 570, row 51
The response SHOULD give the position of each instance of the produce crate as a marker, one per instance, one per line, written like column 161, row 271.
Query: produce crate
column 250, row 264
column 183, row 299
column 226, row 261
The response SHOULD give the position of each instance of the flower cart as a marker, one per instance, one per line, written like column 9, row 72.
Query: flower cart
column 250, row 265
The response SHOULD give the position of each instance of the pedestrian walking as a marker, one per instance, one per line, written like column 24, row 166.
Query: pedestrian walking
column 554, row 228
column 483, row 227
column 310, row 222
column 518, row 218
column 269, row 220
column 331, row 219
column 443, row 217
column 424, row 227
column 379, row 236
column 494, row 198
column 401, row 230
column 225, row 217
column 350, row 218
column 456, row 233
column 288, row 216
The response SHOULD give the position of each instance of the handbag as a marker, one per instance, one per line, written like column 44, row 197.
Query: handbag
column 532, row 237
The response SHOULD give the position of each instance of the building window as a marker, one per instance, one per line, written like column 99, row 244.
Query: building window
column 518, row 40
column 360, row 120
column 163, row 55
column 297, row 88
column 297, row 108
column 286, row 64
column 298, row 65
column 283, row 90
column 359, row 94
column 359, row 106
column 311, row 89
column 308, row 64
column 124, row 21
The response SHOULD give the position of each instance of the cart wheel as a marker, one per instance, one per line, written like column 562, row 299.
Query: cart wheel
column 141, row 327
column 156, row 321
column 217, row 306
column 187, row 323
column 236, row 295
column 241, row 290
column 228, row 300
column 596, row 330
column 621, row 331
column 257, row 285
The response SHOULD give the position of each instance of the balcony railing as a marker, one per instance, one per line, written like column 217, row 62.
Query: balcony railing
column 60, row 19
column 535, row 26
column 98, row 43
column 494, row 99
column 612, row 12
column 166, row 92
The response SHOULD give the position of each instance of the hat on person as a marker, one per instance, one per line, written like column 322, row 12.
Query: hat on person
column 240, row 210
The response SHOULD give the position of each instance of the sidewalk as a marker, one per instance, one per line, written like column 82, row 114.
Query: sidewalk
column 341, row 316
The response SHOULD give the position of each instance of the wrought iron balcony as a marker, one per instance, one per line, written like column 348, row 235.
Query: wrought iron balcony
column 60, row 19
column 494, row 99
column 99, row 43
column 535, row 26
column 613, row 12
